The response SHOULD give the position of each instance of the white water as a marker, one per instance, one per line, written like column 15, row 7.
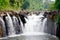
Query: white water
column 21, row 25
column 16, row 24
column 36, row 28
column 34, row 24
column 39, row 24
column 11, row 30
column 2, row 24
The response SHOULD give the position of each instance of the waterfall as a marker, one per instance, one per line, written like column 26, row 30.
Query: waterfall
column 34, row 23
column 11, row 30
column 2, row 28
column 45, row 25
column 51, row 27
column 16, row 24
column 21, row 25
column 39, row 23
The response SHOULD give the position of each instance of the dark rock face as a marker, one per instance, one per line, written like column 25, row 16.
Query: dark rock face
column 58, row 31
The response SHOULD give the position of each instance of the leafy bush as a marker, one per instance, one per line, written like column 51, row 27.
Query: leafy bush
column 57, row 4
column 58, row 19
column 18, row 4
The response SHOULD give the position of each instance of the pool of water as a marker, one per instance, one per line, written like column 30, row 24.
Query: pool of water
column 31, row 36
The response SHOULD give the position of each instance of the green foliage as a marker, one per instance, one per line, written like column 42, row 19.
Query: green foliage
column 57, row 4
column 11, row 4
column 46, row 4
column 58, row 19
column 52, row 6
column 4, row 4
column 35, row 4
column 18, row 4
column 25, row 5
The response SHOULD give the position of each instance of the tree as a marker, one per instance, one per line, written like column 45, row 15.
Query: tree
column 35, row 4
column 25, row 5
column 52, row 6
column 57, row 4
column 11, row 4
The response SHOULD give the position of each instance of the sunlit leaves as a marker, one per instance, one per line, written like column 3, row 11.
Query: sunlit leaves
column 11, row 4
column 35, row 4
column 18, row 4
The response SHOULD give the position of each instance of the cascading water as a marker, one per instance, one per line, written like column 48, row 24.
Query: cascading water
column 34, row 23
column 45, row 25
column 11, row 30
column 51, row 27
column 37, row 27
column 39, row 23
column 21, row 25
column 2, row 27
column 16, row 24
